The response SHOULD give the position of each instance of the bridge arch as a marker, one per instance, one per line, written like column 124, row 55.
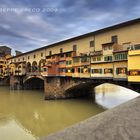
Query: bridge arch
column 33, row 82
column 41, row 64
column 82, row 89
column 12, row 68
column 87, row 88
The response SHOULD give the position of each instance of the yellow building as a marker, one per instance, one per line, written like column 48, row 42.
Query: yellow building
column 98, row 54
column 4, row 68
column 134, row 65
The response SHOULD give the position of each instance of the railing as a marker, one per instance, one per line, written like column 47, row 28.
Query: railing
column 96, row 53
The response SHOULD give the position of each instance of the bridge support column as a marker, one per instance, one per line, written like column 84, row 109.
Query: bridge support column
column 16, row 83
column 53, row 88
column 5, row 81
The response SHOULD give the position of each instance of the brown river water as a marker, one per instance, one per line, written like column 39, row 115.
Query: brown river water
column 24, row 115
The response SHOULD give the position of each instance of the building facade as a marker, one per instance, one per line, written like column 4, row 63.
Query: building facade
column 109, row 53
column 5, row 53
column 134, row 66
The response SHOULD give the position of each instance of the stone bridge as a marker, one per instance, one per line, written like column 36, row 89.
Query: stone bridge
column 59, row 88
column 32, row 80
column 62, row 87
column 66, row 87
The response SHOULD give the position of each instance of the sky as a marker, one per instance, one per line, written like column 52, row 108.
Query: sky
column 29, row 24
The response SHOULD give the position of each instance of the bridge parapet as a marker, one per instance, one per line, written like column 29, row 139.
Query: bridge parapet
column 33, row 74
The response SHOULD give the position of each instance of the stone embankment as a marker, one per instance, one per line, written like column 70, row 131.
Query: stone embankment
column 119, row 123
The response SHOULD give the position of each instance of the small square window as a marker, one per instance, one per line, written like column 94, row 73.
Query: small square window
column 74, row 47
column 61, row 50
column 50, row 52
column 91, row 43
column 114, row 39
column 41, row 54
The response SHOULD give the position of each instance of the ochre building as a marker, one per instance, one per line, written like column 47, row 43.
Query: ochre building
column 109, row 53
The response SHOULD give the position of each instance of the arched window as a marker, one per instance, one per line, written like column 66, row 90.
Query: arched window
column 28, row 67
column 34, row 66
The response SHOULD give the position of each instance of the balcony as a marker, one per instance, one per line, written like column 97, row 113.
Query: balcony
column 48, row 58
column 76, row 64
column 44, row 73
column 69, row 74
column 75, row 74
column 123, row 48
column 55, row 59
column 62, row 74
column 84, row 75
column 48, row 64
column 74, row 53
column 62, row 57
column 62, row 65
column 68, row 58
column 96, row 53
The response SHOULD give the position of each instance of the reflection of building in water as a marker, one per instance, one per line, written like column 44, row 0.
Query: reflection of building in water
column 103, row 91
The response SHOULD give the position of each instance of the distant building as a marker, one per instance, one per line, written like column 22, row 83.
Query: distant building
column 4, row 50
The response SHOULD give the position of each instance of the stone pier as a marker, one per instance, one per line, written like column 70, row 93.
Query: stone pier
column 16, row 83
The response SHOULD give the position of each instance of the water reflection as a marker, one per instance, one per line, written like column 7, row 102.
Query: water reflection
column 109, row 95
column 24, row 115
column 10, row 129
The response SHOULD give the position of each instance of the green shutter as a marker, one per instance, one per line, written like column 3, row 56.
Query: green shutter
column 100, row 71
column 117, row 71
column 110, row 58
column 111, row 70
column 125, row 70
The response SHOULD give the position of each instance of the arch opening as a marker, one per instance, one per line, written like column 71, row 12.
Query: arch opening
column 41, row 64
column 34, row 67
column 34, row 83
column 85, row 90
column 28, row 67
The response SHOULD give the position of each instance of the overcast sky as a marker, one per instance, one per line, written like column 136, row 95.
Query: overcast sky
column 29, row 24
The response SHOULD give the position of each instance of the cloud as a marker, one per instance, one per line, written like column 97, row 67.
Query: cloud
column 26, row 30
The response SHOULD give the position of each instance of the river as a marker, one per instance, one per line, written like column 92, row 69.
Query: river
column 24, row 115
